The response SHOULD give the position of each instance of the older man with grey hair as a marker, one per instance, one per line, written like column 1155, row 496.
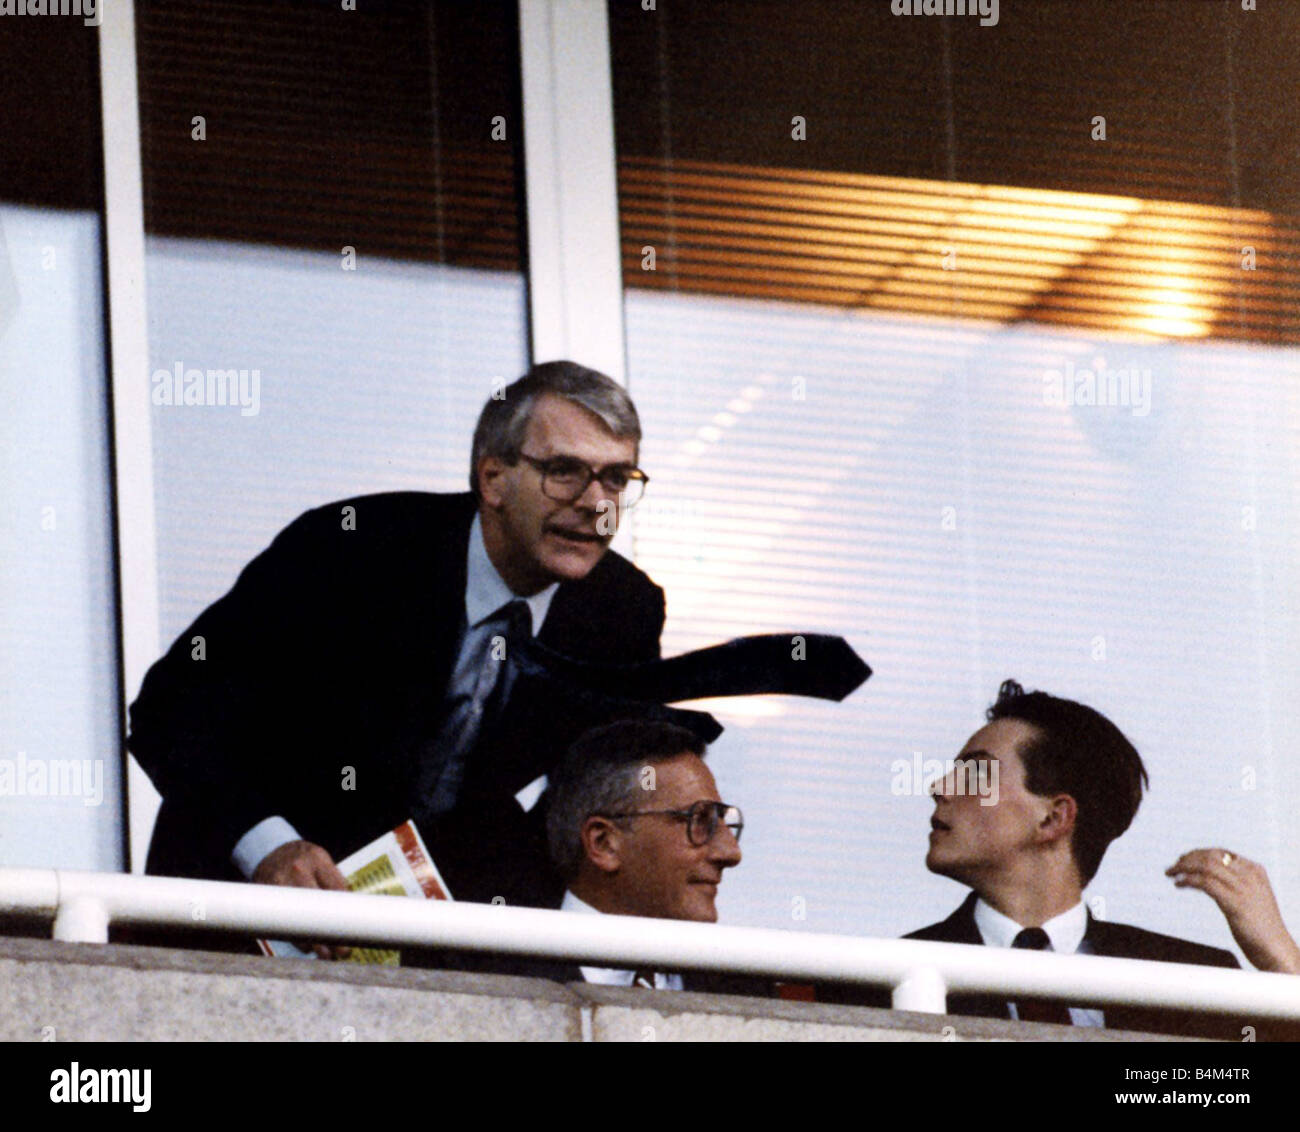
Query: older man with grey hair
column 358, row 673
column 636, row 827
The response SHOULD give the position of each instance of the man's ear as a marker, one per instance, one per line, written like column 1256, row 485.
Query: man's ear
column 1060, row 818
column 602, row 844
column 490, row 473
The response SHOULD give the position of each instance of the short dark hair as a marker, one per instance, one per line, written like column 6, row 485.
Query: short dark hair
column 601, row 773
column 504, row 420
column 1077, row 751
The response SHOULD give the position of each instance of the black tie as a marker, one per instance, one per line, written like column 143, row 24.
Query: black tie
column 1035, row 939
column 553, row 699
column 792, row 664
column 498, row 668
column 516, row 632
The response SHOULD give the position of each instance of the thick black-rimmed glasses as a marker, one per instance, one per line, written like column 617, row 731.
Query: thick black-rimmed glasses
column 565, row 479
column 702, row 820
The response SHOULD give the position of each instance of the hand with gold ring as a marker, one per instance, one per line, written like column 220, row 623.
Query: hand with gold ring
column 1241, row 889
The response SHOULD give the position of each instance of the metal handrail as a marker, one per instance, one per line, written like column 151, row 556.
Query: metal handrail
column 920, row 973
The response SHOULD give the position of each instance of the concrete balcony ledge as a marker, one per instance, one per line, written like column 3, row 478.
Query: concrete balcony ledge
column 115, row 993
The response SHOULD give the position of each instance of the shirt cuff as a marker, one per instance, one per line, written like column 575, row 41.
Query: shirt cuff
column 265, row 837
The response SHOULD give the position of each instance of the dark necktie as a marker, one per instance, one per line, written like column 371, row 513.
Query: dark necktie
column 496, row 669
column 553, row 699
column 792, row 664
column 1035, row 939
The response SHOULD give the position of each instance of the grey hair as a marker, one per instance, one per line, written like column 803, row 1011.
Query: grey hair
column 601, row 774
column 503, row 422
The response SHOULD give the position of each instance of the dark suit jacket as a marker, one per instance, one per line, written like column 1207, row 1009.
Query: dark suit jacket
column 1119, row 941
column 322, row 684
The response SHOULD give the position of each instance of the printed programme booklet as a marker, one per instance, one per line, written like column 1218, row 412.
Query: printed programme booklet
column 396, row 864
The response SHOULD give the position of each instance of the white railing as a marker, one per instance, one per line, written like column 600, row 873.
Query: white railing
column 83, row 905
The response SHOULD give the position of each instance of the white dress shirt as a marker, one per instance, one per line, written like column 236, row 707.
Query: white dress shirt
column 613, row 976
column 485, row 593
column 1065, row 932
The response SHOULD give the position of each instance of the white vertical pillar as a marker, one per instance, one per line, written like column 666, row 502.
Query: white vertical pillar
column 575, row 274
column 129, row 382
column 82, row 919
column 921, row 989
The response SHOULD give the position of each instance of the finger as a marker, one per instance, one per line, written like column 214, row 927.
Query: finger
column 329, row 877
column 332, row 950
column 1220, row 862
column 1211, row 875
column 303, row 873
column 1198, row 857
column 325, row 873
column 1188, row 860
column 1201, row 868
column 1212, row 886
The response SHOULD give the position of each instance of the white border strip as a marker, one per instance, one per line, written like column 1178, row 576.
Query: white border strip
column 129, row 382
column 575, row 274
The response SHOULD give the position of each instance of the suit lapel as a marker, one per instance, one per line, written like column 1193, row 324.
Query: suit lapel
column 960, row 927
column 430, row 620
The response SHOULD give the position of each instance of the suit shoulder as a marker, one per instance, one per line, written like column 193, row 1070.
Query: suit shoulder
column 615, row 570
column 939, row 932
column 1125, row 941
column 393, row 510
column 365, row 523
column 614, row 615
column 957, row 928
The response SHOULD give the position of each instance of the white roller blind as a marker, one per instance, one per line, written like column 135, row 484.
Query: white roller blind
column 369, row 380
column 913, row 484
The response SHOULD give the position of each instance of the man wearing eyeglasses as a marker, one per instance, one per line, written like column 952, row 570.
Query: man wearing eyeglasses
column 636, row 827
column 358, row 673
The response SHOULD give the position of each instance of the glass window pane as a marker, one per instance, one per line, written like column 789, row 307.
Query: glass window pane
column 922, row 363
column 331, row 218
column 60, row 772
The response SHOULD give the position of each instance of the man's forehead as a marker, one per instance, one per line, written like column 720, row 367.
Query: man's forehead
column 1001, row 739
column 683, row 779
column 564, row 426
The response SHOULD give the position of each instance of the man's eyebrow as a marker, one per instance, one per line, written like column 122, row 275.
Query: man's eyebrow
column 579, row 460
column 975, row 755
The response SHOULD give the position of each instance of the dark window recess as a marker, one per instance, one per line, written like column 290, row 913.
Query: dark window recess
column 50, row 151
column 325, row 128
column 918, row 134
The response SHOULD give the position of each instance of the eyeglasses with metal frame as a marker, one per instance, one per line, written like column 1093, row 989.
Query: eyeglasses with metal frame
column 702, row 820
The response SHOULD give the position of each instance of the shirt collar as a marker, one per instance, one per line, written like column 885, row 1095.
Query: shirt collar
column 572, row 903
column 485, row 589
column 604, row 976
column 614, row 976
column 1066, row 931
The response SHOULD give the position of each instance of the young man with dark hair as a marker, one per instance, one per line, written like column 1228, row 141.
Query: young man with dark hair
column 1068, row 784
column 1056, row 782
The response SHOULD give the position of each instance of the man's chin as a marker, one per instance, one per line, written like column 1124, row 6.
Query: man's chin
column 575, row 563
column 702, row 911
column 937, row 865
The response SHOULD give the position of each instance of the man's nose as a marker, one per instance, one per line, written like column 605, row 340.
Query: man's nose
column 724, row 849
column 942, row 787
column 594, row 496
